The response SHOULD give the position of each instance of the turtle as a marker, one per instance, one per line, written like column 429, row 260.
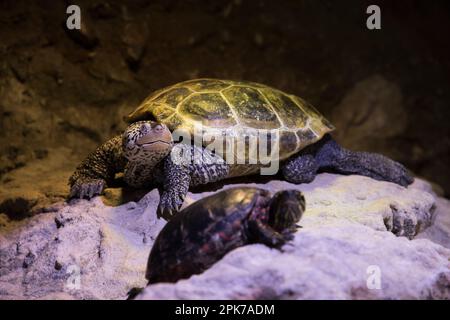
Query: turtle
column 148, row 154
column 211, row 227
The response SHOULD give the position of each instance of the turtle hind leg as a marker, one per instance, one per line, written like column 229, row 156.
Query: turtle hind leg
column 300, row 168
column 332, row 157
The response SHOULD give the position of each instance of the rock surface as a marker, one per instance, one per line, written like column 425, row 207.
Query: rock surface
column 323, row 263
column 36, row 187
column 363, row 117
column 91, row 250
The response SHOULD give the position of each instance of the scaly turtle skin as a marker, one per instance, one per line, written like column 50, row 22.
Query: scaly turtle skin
column 221, row 108
column 208, row 229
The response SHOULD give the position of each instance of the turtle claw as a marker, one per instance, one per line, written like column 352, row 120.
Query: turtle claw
column 164, row 213
column 87, row 188
column 169, row 205
column 407, row 178
column 399, row 175
column 289, row 236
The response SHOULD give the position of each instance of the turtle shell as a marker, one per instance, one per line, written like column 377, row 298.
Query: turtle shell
column 235, row 109
column 202, row 233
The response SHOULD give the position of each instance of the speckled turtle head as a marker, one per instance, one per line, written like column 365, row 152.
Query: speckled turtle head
column 286, row 209
column 144, row 140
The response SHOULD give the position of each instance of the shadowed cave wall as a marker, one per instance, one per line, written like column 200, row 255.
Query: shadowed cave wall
column 63, row 93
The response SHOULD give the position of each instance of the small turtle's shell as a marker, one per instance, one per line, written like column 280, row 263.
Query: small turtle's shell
column 234, row 109
column 202, row 234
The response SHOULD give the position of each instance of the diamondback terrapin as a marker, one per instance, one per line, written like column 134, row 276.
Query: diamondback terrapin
column 222, row 108
column 208, row 229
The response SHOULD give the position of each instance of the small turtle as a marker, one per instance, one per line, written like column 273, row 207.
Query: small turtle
column 208, row 229
column 221, row 108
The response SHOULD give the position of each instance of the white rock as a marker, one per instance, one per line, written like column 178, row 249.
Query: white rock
column 93, row 251
column 331, row 262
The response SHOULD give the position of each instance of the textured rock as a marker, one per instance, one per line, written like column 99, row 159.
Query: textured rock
column 330, row 262
column 366, row 111
column 85, row 250
column 37, row 186
column 342, row 242
column 364, row 118
column 439, row 232
column 91, row 250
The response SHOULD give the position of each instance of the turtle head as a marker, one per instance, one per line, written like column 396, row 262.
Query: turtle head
column 146, row 140
column 286, row 209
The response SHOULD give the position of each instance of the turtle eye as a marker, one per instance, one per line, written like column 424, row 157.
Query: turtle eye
column 145, row 127
column 158, row 128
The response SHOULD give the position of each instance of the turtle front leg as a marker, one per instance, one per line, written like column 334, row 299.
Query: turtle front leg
column 97, row 170
column 332, row 157
column 187, row 166
column 263, row 233
column 176, row 182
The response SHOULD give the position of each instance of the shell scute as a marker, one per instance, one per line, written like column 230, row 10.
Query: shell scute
column 317, row 122
column 174, row 96
column 305, row 137
column 206, row 85
column 289, row 112
column 251, row 108
column 288, row 140
column 210, row 109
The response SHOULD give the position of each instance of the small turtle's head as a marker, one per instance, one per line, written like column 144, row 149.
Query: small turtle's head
column 286, row 209
column 146, row 140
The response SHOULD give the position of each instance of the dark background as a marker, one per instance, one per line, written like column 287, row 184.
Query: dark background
column 63, row 93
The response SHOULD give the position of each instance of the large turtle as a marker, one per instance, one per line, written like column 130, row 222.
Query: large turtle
column 222, row 108
column 208, row 229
